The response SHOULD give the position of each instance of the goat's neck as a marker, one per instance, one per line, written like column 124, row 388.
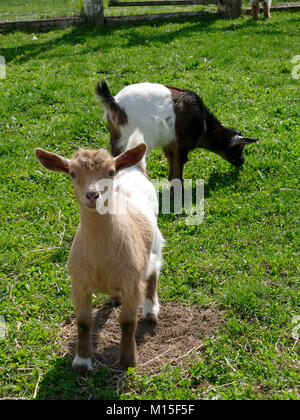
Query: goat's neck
column 92, row 223
column 213, row 134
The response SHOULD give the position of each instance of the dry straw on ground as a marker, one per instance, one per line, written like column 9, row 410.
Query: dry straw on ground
column 179, row 333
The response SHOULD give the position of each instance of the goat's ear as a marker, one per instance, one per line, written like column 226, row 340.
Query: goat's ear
column 130, row 157
column 241, row 141
column 53, row 161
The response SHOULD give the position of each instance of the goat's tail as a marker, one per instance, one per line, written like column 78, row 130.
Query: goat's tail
column 135, row 139
column 117, row 114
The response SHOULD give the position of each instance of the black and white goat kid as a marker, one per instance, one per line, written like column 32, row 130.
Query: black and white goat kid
column 175, row 119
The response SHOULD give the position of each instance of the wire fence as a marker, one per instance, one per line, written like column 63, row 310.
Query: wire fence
column 24, row 10
column 16, row 10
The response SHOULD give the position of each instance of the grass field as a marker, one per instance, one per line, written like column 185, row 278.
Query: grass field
column 11, row 10
column 241, row 261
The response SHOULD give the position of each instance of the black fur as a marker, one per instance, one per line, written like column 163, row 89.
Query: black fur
column 118, row 115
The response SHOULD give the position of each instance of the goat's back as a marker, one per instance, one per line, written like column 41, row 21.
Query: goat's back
column 148, row 106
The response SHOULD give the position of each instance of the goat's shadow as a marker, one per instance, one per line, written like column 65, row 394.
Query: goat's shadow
column 216, row 181
column 61, row 383
column 219, row 180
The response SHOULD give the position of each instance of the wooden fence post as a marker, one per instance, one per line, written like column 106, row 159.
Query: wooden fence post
column 94, row 11
column 230, row 8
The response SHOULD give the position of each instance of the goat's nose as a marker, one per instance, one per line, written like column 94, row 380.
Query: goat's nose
column 92, row 195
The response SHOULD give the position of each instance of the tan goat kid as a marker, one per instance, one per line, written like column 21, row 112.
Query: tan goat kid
column 116, row 252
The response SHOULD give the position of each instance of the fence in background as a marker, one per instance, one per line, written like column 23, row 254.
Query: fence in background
column 19, row 10
column 117, row 3
column 47, row 14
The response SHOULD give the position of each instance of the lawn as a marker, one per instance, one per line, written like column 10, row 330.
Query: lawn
column 241, row 262
column 11, row 10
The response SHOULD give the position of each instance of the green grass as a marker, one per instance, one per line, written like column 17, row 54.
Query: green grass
column 242, row 258
column 11, row 10
column 138, row 10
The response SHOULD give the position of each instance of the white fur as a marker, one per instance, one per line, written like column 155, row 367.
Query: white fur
column 148, row 106
column 80, row 361
column 139, row 194
column 150, row 308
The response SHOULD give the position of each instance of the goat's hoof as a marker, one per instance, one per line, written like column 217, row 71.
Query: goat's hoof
column 150, row 311
column 150, row 318
column 125, row 363
column 82, row 365
column 115, row 302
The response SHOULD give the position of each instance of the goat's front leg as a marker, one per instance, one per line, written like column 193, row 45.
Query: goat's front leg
column 180, row 158
column 83, row 309
column 128, row 320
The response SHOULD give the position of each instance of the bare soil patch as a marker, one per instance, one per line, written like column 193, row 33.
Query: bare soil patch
column 179, row 333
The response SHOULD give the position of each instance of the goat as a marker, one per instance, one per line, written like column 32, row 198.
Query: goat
column 115, row 252
column 175, row 119
column 255, row 8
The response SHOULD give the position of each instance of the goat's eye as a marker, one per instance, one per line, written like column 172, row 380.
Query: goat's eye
column 111, row 173
column 73, row 175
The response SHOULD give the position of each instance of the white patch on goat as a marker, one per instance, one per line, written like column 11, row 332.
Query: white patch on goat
column 139, row 195
column 148, row 106
column 80, row 361
column 150, row 308
column 236, row 140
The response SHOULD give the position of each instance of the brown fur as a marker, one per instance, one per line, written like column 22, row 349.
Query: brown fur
column 109, row 253
column 266, row 8
column 151, row 293
column 127, row 345
column 151, row 287
column 255, row 9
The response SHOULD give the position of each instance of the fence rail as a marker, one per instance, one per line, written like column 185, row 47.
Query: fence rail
column 116, row 3
column 48, row 14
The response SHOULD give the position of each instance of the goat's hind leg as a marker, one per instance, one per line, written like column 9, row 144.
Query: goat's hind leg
column 169, row 153
column 116, row 300
column 180, row 158
column 255, row 9
column 267, row 6
column 128, row 320
column 151, row 304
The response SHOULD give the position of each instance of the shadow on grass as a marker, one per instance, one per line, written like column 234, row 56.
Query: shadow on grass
column 133, row 37
column 218, row 180
column 61, row 383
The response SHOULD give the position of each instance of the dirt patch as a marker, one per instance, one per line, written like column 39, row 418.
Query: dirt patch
column 179, row 332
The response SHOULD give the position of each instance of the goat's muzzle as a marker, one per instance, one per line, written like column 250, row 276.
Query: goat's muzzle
column 91, row 197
